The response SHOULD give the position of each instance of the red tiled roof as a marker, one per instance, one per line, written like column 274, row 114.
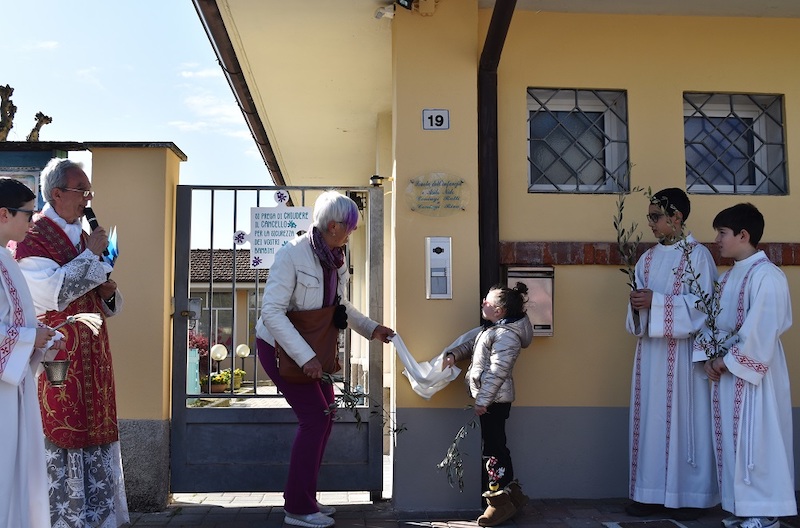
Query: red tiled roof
column 200, row 266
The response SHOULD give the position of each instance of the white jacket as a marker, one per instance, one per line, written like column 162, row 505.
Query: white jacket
column 295, row 282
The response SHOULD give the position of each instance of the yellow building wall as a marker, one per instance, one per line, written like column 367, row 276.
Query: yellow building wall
column 136, row 192
column 435, row 66
column 655, row 59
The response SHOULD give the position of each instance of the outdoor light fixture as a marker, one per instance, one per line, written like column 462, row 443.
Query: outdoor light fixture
column 408, row 4
column 218, row 353
column 242, row 351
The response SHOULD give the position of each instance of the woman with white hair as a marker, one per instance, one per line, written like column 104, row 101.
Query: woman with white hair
column 309, row 277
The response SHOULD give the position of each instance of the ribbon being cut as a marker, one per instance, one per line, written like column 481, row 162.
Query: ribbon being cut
column 428, row 378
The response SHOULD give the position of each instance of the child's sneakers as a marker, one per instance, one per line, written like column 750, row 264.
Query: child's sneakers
column 759, row 522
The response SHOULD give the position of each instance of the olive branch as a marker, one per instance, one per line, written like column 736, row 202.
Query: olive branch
column 353, row 400
column 628, row 239
column 709, row 305
column 453, row 463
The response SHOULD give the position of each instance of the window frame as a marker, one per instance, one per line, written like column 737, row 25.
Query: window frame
column 616, row 151
column 760, row 160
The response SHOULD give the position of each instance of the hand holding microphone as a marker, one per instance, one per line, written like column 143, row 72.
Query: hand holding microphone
column 98, row 239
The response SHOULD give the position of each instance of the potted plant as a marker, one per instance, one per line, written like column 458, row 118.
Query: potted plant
column 238, row 376
column 220, row 381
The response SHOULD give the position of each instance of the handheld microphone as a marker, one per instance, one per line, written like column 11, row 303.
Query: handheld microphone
column 88, row 212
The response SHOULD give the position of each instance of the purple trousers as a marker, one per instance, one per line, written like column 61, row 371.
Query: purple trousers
column 310, row 403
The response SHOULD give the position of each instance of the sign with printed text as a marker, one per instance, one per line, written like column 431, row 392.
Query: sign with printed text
column 274, row 227
column 435, row 119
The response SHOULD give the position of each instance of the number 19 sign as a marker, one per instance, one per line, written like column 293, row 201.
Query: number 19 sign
column 435, row 119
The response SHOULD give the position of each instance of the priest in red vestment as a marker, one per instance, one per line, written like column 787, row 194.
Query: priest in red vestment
column 67, row 274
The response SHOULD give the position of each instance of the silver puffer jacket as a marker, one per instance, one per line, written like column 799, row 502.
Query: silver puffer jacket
column 494, row 351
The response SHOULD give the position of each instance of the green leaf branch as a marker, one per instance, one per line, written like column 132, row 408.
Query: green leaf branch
column 628, row 239
column 353, row 400
column 453, row 462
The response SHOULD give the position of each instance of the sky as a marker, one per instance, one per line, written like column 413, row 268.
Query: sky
column 132, row 70
column 127, row 70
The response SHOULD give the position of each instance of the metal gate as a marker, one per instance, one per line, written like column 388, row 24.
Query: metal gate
column 240, row 439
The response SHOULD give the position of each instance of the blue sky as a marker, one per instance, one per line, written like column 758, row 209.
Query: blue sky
column 126, row 70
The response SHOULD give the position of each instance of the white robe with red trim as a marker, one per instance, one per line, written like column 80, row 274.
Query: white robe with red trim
column 671, row 455
column 23, row 475
column 752, row 402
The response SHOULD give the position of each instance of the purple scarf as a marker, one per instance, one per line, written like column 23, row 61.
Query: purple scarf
column 331, row 260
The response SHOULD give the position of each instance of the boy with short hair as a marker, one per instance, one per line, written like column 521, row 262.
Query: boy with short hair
column 751, row 400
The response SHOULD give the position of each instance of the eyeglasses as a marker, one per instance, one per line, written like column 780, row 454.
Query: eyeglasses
column 30, row 212
column 654, row 217
column 86, row 194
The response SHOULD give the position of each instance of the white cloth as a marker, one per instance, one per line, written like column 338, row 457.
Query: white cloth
column 752, row 404
column 426, row 378
column 671, row 455
column 23, row 485
column 295, row 282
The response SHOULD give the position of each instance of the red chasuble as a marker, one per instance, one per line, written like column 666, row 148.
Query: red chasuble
column 83, row 411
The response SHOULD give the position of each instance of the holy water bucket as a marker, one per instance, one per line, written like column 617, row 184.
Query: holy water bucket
column 56, row 371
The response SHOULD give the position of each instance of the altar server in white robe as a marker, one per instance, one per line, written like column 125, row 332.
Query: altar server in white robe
column 751, row 398
column 671, row 457
column 23, row 477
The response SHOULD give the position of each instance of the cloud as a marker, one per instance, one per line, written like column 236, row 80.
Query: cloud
column 45, row 45
column 89, row 76
column 202, row 74
column 186, row 126
column 212, row 108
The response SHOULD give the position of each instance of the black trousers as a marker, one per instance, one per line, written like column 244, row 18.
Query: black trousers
column 493, row 435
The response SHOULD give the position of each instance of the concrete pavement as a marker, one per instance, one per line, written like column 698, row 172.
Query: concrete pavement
column 263, row 510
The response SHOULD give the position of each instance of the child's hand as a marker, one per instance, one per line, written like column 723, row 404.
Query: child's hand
column 715, row 368
column 43, row 335
column 641, row 299
column 448, row 361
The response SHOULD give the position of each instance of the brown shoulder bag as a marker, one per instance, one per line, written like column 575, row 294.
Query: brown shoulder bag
column 317, row 328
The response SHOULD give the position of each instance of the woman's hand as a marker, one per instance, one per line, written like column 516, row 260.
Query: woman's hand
column 383, row 333
column 480, row 410
column 313, row 368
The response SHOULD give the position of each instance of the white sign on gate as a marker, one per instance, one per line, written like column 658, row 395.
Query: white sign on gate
column 270, row 229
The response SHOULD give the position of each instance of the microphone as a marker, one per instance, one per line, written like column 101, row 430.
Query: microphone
column 88, row 212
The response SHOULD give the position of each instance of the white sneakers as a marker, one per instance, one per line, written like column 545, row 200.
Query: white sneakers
column 326, row 510
column 320, row 519
column 311, row 520
column 750, row 522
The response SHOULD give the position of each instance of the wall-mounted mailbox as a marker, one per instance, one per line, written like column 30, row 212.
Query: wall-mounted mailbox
column 438, row 268
column 539, row 281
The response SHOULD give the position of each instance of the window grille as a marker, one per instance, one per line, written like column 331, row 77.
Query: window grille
column 734, row 144
column 577, row 141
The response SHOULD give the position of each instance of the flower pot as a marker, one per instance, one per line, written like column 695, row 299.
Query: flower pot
column 219, row 387
column 237, row 381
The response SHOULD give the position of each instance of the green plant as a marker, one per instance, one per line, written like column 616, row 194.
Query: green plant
column 453, row 462
column 218, row 378
column 351, row 399
column 628, row 239
column 240, row 373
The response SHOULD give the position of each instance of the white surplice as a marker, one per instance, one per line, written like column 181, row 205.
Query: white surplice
column 671, row 456
column 752, row 404
column 23, row 485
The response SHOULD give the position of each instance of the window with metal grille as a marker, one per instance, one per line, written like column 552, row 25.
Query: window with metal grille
column 577, row 141
column 734, row 144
